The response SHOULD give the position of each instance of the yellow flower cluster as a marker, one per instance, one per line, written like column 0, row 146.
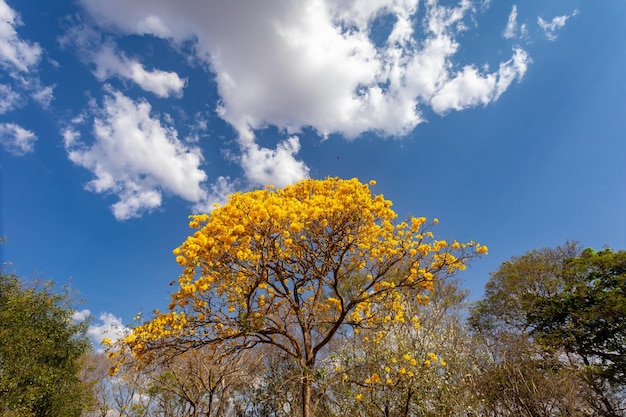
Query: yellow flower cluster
column 325, row 251
column 406, row 368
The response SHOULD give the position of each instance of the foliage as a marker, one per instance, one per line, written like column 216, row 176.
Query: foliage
column 555, row 314
column 293, row 267
column 588, row 317
column 513, row 287
column 40, row 351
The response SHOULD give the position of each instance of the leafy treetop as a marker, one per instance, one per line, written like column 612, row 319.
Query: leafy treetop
column 40, row 351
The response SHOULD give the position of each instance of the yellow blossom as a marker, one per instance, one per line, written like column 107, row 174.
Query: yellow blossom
column 374, row 379
column 312, row 257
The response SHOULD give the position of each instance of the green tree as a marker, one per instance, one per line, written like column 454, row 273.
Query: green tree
column 587, row 318
column 555, row 314
column 294, row 267
column 513, row 287
column 40, row 351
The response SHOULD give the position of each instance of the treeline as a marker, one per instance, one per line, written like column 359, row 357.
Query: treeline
column 547, row 339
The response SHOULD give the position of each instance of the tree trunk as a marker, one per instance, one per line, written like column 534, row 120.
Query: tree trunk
column 308, row 369
column 307, row 394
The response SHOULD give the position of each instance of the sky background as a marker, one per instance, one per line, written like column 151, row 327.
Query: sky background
column 505, row 120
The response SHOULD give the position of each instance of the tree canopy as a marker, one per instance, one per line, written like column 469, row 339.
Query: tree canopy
column 588, row 317
column 40, row 348
column 556, row 312
column 290, row 268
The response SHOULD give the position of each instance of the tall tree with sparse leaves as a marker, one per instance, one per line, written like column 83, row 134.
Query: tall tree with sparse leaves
column 291, row 268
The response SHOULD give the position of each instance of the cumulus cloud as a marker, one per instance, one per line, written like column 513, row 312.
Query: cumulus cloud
column 110, row 63
column 107, row 326
column 136, row 158
column 15, row 54
column 279, row 166
column 81, row 315
column 17, row 140
column 314, row 63
column 551, row 27
column 469, row 88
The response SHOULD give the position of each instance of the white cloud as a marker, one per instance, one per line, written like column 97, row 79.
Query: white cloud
column 108, row 326
column 110, row 63
column 81, row 315
column 511, row 26
column 70, row 137
column 9, row 98
column 265, row 166
column 469, row 88
column 17, row 140
column 19, row 58
column 550, row 28
column 44, row 96
column 312, row 63
column 15, row 53
column 513, row 29
column 135, row 157
column 217, row 194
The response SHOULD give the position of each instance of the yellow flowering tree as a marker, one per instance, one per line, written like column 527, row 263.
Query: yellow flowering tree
column 292, row 267
column 424, row 366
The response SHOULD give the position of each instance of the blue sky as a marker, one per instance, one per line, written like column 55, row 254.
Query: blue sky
column 504, row 120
